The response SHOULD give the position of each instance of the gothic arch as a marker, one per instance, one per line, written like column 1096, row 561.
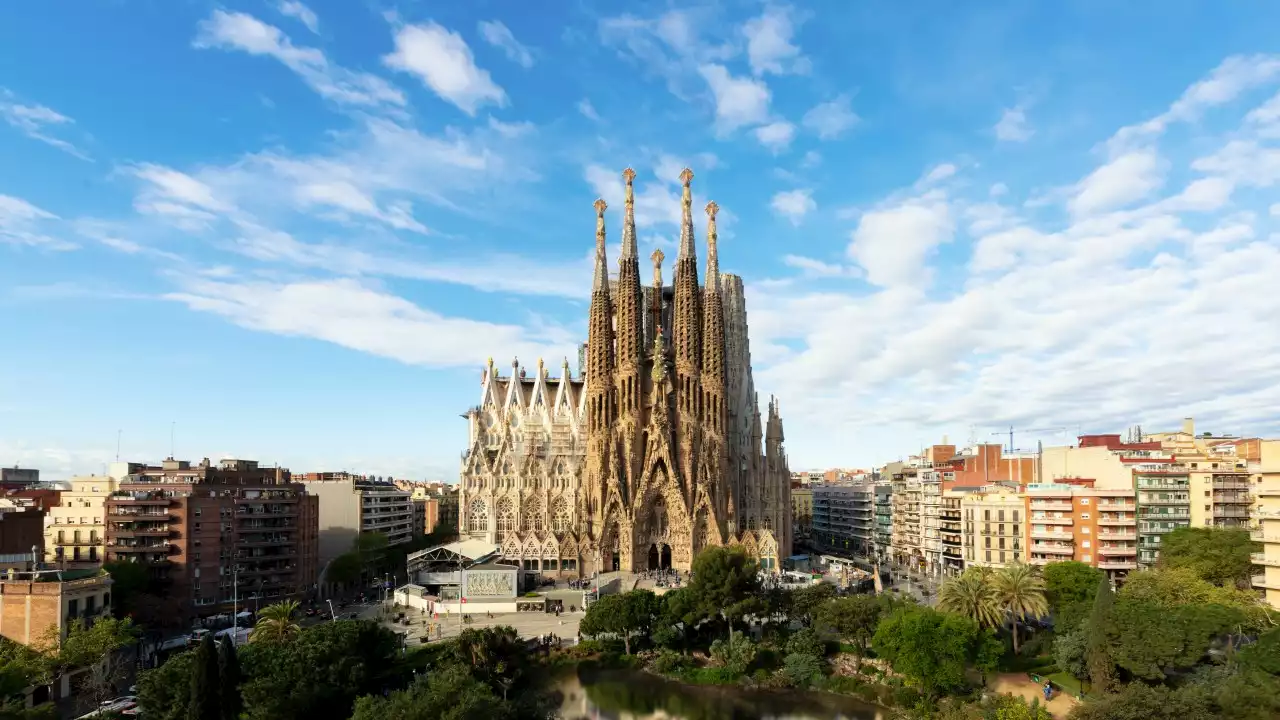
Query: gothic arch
column 506, row 519
column 561, row 515
column 478, row 516
column 531, row 516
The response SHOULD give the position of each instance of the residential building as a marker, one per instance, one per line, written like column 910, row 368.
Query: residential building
column 16, row 478
column 216, row 533
column 994, row 522
column 32, row 602
column 76, row 533
column 931, row 517
column 1164, row 503
column 842, row 517
column 908, row 550
column 352, row 505
column 1115, row 528
column 802, row 509
column 1077, row 522
column 882, row 509
column 441, row 504
column 419, row 516
column 951, row 532
column 21, row 537
column 1267, row 532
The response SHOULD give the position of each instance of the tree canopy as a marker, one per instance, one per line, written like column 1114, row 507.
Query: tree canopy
column 930, row 648
column 1220, row 556
column 726, row 582
column 623, row 615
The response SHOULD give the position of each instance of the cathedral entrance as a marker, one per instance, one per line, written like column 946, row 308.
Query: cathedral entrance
column 660, row 557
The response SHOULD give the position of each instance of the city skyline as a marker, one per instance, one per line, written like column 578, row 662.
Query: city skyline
column 294, row 232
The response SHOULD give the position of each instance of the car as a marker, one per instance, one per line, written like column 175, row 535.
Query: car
column 122, row 700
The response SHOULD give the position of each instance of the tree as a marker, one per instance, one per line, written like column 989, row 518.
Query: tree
column 229, row 701
column 1019, row 591
column 1071, row 652
column 1182, row 587
column 623, row 615
column 1220, row 556
column 275, row 623
column 344, row 569
column 166, row 691
column 854, row 619
column 1150, row 641
column 1102, row 669
column 930, row 648
column 319, row 674
column 496, row 655
column 806, row 600
column 725, row 584
column 93, row 647
column 450, row 693
column 972, row 595
column 205, row 701
column 128, row 580
column 1137, row 701
column 1069, row 588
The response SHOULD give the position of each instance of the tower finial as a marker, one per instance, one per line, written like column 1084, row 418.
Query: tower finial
column 657, row 257
column 713, row 257
column 686, row 215
column 629, row 216
column 601, row 280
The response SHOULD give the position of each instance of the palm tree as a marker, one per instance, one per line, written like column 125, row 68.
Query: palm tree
column 275, row 622
column 1020, row 592
column 972, row 595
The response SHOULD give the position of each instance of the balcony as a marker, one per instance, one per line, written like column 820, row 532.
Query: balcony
column 1047, row 520
column 1122, row 520
column 1118, row 550
column 1262, row 559
column 1260, row 582
column 1155, row 500
column 1131, row 535
column 1157, row 516
column 1053, row 548
column 1230, row 511
column 1117, row 507
column 1117, row 565
column 1063, row 505
column 1051, row 535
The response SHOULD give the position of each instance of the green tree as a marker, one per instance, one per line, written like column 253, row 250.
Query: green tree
column 1019, row 591
column 973, row 595
column 1151, row 642
column 1182, row 587
column 496, row 655
column 275, row 623
column 1071, row 652
column 806, row 641
column 624, row 615
column 1069, row 588
column 205, row 701
column 1220, row 556
column 805, row 601
column 166, row 691
column 229, row 702
column 1264, row 654
column 450, row 693
column 1137, row 701
column 930, row 648
column 1102, row 668
column 726, row 583
column 345, row 569
column 854, row 619
column 318, row 675
column 128, row 580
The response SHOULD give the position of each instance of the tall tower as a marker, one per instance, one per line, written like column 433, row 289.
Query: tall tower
column 686, row 335
column 601, row 494
column 714, row 401
column 630, row 335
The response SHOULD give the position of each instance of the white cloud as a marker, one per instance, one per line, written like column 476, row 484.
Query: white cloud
column 998, row 190
column 303, row 14
column 739, row 101
column 829, row 120
column 1124, row 180
column 937, row 174
column 892, row 242
column 36, row 122
column 443, row 62
column 813, row 268
column 667, row 168
column 239, row 31
column 776, row 135
column 1013, row 126
column 670, row 46
column 587, row 110
column 499, row 36
column 22, row 223
column 356, row 316
column 811, row 159
column 769, row 44
column 1275, row 210
column 793, row 204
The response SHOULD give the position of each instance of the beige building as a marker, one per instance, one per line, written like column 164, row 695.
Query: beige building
column 1267, row 532
column 33, row 602
column 75, row 531
column 994, row 522
column 352, row 505
column 802, row 510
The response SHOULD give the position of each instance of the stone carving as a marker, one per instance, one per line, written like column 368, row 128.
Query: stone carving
column 490, row 584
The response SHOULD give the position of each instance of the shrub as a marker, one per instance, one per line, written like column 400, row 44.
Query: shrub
column 802, row 668
column 735, row 654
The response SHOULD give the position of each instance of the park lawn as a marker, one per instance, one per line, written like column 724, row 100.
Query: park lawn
column 1066, row 682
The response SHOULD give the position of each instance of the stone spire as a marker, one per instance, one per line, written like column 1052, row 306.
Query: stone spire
column 686, row 216
column 713, row 365
column 630, row 325
column 687, row 317
column 629, row 216
column 600, row 360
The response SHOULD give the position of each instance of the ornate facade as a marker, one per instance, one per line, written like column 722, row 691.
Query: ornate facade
column 656, row 450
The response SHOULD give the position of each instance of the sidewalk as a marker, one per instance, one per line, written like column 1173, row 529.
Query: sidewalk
column 1021, row 685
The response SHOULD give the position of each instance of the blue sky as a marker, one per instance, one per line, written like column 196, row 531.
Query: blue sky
column 294, row 232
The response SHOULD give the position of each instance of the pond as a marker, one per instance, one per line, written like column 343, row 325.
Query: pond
column 635, row 695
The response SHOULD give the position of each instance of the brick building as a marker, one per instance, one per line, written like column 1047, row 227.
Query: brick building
column 206, row 529
column 33, row 602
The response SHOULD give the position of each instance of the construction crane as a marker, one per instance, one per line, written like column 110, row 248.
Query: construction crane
column 1028, row 430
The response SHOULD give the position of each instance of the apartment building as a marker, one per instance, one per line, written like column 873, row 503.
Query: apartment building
column 1164, row 503
column 441, row 503
column 842, row 517
column 994, row 523
column 216, row 533
column 352, row 505
column 802, row 509
column 882, row 510
column 75, row 534
column 16, row 478
column 32, row 602
column 21, row 537
column 951, row 532
column 1267, row 532
column 1076, row 522
column 908, row 548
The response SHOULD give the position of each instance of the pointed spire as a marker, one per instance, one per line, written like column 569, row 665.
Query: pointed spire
column 713, row 257
column 629, row 216
column 686, row 215
column 602, row 266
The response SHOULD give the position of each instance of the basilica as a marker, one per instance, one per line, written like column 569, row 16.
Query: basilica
column 654, row 449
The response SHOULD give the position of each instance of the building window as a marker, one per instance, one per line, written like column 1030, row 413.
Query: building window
column 1084, row 501
column 1084, row 516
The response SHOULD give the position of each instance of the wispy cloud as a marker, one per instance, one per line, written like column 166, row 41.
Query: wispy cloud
column 442, row 60
column 499, row 36
column 303, row 14
column 37, row 122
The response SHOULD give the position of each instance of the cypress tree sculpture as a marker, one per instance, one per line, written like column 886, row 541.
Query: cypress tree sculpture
column 204, row 682
column 228, row 681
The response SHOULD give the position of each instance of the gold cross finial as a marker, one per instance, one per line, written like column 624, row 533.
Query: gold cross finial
column 600, row 206
column 628, row 175
column 712, row 209
column 686, row 177
column 657, row 257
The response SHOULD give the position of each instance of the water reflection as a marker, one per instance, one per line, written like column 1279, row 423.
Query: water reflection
column 630, row 695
